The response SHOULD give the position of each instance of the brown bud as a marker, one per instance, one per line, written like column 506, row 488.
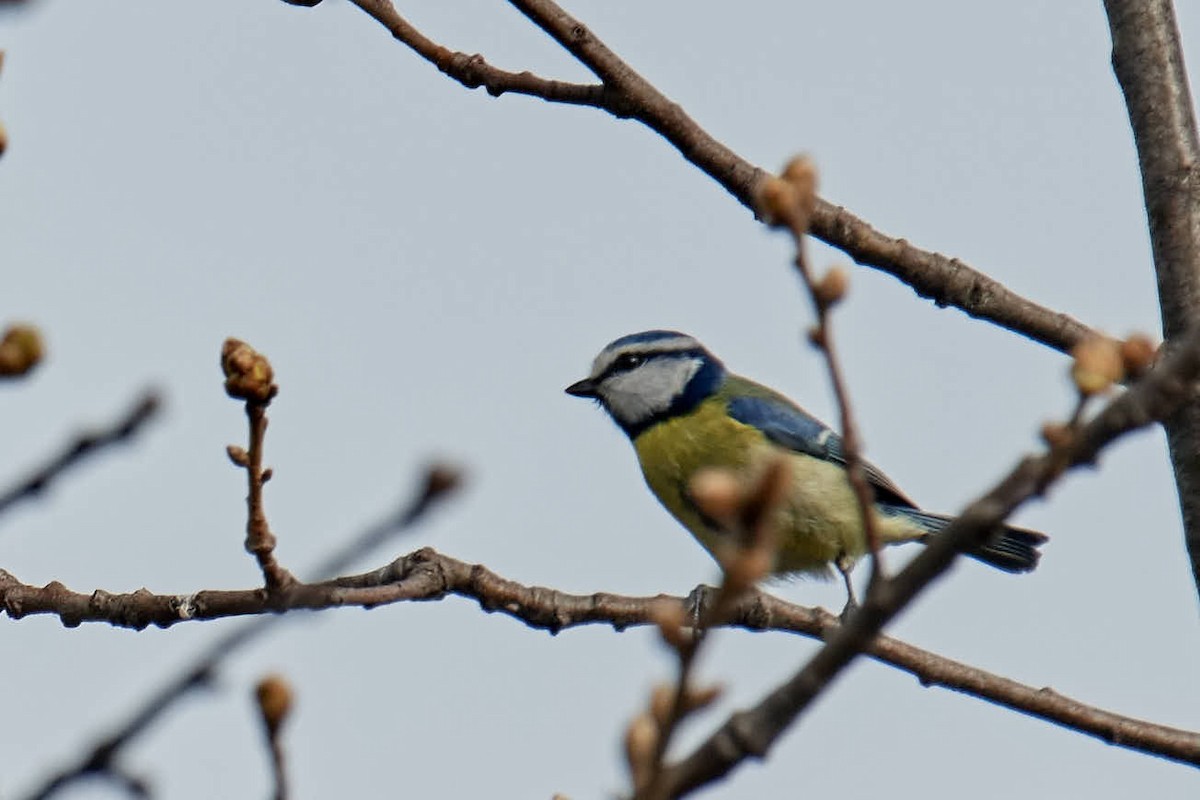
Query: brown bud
column 801, row 172
column 718, row 495
column 274, row 697
column 662, row 698
column 442, row 478
column 641, row 740
column 671, row 620
column 21, row 349
column 777, row 201
column 1098, row 364
column 745, row 567
column 1138, row 353
column 238, row 455
column 1057, row 435
column 832, row 287
column 248, row 374
column 695, row 699
column 762, row 501
column 3, row 139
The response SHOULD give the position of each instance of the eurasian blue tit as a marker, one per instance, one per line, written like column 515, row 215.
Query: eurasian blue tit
column 684, row 412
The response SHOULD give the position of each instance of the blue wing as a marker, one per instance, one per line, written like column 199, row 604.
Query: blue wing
column 788, row 426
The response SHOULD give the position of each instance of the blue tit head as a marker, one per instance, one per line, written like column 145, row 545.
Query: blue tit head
column 646, row 377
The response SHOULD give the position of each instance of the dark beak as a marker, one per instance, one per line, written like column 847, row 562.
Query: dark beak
column 583, row 388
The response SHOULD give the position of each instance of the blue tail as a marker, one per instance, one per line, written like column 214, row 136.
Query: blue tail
column 1010, row 549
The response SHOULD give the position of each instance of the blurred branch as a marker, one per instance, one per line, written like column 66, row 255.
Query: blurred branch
column 1147, row 58
column 746, row 512
column 751, row 733
column 788, row 202
column 624, row 93
column 85, row 444
column 274, row 698
column 100, row 761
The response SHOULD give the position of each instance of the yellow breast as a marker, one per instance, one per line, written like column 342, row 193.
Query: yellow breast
column 819, row 521
column 674, row 450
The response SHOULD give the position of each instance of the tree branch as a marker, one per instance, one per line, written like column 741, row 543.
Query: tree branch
column 1148, row 61
column 625, row 93
column 472, row 71
column 751, row 733
column 85, row 444
column 426, row 575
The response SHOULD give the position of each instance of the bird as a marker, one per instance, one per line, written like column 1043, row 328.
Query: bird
column 684, row 412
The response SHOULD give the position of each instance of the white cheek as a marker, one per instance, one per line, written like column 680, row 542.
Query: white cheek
column 631, row 403
column 635, row 396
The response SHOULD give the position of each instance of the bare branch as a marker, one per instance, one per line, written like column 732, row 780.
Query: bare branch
column 751, row 733
column 428, row 575
column 472, row 71
column 1148, row 61
column 85, row 444
column 131, row 785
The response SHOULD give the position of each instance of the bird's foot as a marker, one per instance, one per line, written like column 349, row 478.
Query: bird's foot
column 844, row 566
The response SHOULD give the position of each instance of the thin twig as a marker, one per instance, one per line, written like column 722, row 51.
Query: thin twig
column 751, row 733
column 260, row 541
column 273, row 695
column 648, row 786
column 88, row 443
column 791, row 206
column 278, row 766
column 473, row 71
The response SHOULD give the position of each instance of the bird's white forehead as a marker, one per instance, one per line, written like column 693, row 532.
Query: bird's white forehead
column 650, row 343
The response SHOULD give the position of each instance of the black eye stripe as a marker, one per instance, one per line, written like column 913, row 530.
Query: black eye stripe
column 627, row 362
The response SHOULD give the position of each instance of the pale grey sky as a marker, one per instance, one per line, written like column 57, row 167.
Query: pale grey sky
column 428, row 267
